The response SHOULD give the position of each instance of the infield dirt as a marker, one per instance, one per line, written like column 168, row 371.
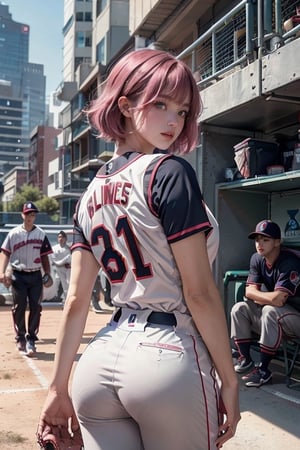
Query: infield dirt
column 270, row 415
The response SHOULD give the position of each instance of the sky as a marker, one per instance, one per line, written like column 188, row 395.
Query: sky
column 45, row 18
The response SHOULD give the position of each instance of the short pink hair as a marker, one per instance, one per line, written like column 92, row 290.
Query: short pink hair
column 144, row 75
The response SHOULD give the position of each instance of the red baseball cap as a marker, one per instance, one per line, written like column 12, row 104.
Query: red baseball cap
column 29, row 207
column 266, row 228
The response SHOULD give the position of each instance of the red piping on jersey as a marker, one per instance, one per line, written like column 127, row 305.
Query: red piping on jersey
column 202, row 226
column 81, row 245
column 283, row 289
column 204, row 394
column 9, row 253
column 47, row 253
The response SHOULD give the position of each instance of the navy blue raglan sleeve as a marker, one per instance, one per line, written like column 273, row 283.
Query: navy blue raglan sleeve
column 177, row 200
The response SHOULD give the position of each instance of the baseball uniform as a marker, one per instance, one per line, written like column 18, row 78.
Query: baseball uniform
column 149, row 365
column 25, row 249
column 61, row 259
column 270, row 322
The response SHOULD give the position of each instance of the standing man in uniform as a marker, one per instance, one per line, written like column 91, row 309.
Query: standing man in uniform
column 26, row 248
column 272, row 303
column 61, row 259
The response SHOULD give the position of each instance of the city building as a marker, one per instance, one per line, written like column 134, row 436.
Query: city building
column 25, row 95
column 13, row 145
column 42, row 151
column 12, row 180
column 91, row 41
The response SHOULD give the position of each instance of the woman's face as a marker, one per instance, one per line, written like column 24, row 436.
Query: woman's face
column 159, row 124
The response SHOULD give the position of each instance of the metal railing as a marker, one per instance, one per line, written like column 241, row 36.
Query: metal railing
column 226, row 44
column 245, row 33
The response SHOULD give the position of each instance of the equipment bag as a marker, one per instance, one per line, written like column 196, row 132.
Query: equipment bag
column 252, row 157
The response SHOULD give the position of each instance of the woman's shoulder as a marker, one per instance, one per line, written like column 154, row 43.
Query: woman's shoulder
column 177, row 166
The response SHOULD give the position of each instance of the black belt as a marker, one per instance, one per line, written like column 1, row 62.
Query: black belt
column 27, row 271
column 156, row 317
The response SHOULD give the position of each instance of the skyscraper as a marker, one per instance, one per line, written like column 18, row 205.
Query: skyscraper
column 22, row 92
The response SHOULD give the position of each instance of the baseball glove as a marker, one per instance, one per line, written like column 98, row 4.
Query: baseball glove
column 59, row 438
column 47, row 280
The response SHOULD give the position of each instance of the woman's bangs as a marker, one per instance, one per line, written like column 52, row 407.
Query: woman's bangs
column 173, row 82
column 178, row 86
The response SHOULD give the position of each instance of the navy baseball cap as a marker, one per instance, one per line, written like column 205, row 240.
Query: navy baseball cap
column 266, row 228
column 29, row 207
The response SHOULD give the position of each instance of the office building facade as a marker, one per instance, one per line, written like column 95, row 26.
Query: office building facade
column 22, row 92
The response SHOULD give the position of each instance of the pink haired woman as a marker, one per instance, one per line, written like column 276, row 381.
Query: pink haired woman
column 155, row 376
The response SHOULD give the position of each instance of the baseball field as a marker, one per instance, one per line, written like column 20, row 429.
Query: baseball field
column 270, row 415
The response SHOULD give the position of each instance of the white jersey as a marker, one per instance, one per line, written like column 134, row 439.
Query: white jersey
column 61, row 255
column 25, row 248
column 119, row 221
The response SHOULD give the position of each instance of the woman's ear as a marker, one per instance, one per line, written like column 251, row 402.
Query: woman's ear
column 124, row 106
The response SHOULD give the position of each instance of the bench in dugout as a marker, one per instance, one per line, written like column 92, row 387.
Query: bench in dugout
column 289, row 350
column 291, row 357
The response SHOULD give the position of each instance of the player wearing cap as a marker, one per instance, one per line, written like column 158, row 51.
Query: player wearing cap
column 26, row 248
column 272, row 302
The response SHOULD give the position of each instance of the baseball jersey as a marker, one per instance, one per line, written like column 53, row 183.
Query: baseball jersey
column 61, row 255
column 284, row 275
column 25, row 248
column 134, row 208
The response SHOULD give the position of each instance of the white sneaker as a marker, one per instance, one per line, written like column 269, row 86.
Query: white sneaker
column 30, row 348
column 243, row 365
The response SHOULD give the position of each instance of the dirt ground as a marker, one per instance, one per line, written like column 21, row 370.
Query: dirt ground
column 270, row 415
column 23, row 380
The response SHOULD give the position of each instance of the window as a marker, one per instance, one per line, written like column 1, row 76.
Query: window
column 56, row 180
column 101, row 4
column 84, row 39
column 79, row 16
column 100, row 52
column 84, row 17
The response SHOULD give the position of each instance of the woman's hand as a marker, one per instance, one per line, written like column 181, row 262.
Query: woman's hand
column 229, row 414
column 57, row 411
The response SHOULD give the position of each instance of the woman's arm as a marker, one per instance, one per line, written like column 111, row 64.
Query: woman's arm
column 83, row 274
column 58, row 408
column 205, row 305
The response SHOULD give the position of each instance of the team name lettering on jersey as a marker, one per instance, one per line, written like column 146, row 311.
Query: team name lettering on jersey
column 29, row 241
column 112, row 193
